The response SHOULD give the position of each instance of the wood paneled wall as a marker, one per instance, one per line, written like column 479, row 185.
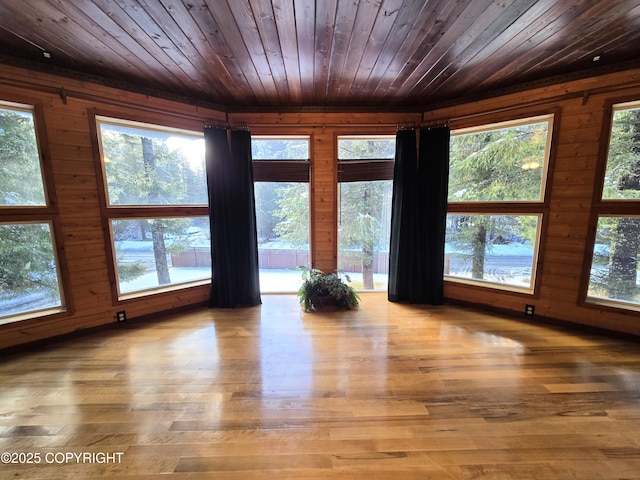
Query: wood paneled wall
column 581, row 106
column 70, row 150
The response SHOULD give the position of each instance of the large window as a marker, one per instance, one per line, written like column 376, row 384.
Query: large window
column 281, row 173
column 30, row 272
column 157, row 205
column 365, row 176
column 614, row 276
column 497, row 184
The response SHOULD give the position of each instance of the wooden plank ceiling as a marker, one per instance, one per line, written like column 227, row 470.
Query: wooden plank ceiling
column 322, row 53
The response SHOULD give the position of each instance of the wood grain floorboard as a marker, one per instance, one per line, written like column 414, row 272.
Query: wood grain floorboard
column 387, row 391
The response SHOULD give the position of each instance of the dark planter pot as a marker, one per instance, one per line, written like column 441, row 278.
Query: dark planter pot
column 324, row 303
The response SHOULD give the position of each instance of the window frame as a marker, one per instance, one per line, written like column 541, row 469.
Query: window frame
column 606, row 207
column 521, row 207
column 47, row 213
column 130, row 212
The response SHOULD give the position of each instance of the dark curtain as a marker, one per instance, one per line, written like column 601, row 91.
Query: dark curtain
column 234, row 242
column 418, row 216
column 403, row 217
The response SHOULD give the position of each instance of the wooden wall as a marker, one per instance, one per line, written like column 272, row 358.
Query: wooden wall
column 69, row 151
column 70, row 148
column 563, row 265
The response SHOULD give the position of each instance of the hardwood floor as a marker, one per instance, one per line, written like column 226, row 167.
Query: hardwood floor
column 386, row 392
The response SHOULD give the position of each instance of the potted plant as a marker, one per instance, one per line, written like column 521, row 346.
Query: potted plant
column 320, row 290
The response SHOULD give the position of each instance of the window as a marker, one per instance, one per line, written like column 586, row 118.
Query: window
column 30, row 283
column 148, row 165
column 157, row 176
column 365, row 176
column 492, row 248
column 497, row 181
column 21, row 182
column 614, row 278
column 154, row 252
column 281, row 174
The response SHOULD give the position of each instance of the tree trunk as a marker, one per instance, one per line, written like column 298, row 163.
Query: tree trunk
column 367, row 244
column 367, row 268
column 157, row 228
column 623, row 267
column 160, row 253
column 143, row 229
column 479, row 250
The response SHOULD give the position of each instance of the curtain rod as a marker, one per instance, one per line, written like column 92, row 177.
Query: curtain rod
column 396, row 125
column 320, row 125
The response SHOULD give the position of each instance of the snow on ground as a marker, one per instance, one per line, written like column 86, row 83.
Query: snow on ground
column 271, row 281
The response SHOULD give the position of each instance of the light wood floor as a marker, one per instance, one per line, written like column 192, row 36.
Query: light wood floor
column 386, row 392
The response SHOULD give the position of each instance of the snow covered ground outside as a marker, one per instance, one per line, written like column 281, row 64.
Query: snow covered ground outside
column 271, row 281
column 509, row 263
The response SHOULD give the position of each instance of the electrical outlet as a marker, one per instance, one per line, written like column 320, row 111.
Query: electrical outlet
column 529, row 309
column 121, row 316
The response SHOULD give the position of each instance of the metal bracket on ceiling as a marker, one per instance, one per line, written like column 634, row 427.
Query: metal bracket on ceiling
column 585, row 97
column 63, row 95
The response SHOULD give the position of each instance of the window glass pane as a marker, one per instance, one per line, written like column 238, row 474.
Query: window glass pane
column 282, row 216
column 280, row 148
column 148, row 165
column 622, row 176
column 29, row 275
column 20, row 175
column 364, row 226
column 500, row 249
column 501, row 164
column 365, row 148
column 160, row 252
column 614, row 268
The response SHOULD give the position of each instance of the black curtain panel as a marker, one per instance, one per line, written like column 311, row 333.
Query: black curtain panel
column 433, row 160
column 403, row 216
column 418, row 216
column 234, row 243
